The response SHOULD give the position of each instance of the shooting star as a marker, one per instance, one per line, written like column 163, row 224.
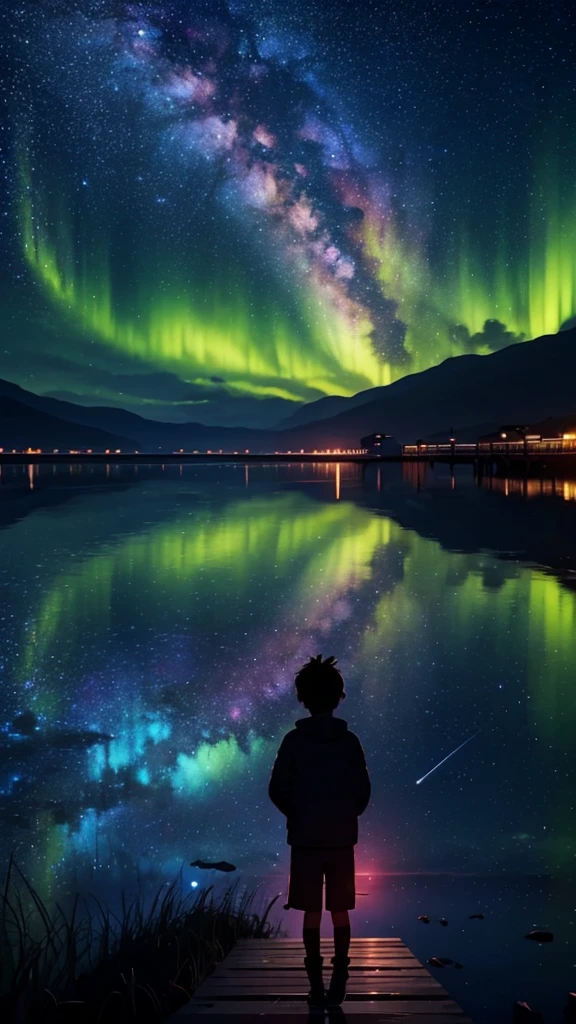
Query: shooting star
column 418, row 781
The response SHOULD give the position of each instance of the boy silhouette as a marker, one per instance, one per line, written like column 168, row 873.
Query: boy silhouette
column 320, row 782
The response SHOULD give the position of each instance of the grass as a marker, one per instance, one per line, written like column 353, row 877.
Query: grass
column 90, row 964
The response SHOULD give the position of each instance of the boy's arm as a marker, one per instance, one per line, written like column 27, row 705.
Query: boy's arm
column 282, row 779
column 361, row 787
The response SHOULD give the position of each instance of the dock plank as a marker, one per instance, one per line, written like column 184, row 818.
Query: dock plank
column 266, row 978
column 411, row 1012
column 254, row 973
column 356, row 984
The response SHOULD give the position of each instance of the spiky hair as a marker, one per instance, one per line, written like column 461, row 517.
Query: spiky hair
column 319, row 684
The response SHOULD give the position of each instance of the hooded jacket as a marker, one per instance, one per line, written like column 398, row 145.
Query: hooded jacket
column 320, row 782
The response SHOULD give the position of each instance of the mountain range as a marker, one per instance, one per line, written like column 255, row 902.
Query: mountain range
column 38, row 421
column 469, row 395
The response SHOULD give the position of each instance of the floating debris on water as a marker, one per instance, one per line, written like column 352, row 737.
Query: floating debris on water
column 523, row 1012
column 216, row 865
column 539, row 935
column 444, row 961
column 424, row 918
column 570, row 1008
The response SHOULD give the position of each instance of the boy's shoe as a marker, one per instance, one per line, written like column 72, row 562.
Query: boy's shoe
column 313, row 965
column 337, row 992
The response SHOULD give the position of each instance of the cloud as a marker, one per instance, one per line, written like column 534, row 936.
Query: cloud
column 493, row 335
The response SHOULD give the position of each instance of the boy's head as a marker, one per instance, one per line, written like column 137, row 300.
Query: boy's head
column 319, row 685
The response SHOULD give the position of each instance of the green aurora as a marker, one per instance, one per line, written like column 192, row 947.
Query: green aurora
column 211, row 218
column 191, row 731
column 209, row 324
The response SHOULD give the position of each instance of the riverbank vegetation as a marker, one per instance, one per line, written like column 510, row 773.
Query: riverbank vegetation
column 88, row 964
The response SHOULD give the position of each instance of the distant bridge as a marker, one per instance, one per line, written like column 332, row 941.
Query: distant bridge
column 531, row 450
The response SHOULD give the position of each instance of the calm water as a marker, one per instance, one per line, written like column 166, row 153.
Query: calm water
column 169, row 608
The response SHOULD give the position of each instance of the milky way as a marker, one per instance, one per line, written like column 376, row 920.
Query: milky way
column 220, row 202
column 170, row 610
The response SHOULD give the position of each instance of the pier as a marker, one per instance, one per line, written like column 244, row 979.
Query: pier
column 535, row 451
column 265, row 978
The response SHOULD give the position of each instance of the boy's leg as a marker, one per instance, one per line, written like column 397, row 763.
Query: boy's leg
column 340, row 898
column 313, row 960
column 340, row 961
column 305, row 893
column 311, row 932
column 341, row 922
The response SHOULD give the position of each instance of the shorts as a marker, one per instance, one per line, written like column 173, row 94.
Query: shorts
column 310, row 865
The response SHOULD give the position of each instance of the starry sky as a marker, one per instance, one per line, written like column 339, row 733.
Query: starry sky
column 166, row 618
column 171, row 610
column 219, row 209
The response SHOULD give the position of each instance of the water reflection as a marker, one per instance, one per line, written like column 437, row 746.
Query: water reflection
column 152, row 621
column 179, row 631
column 422, row 474
column 535, row 487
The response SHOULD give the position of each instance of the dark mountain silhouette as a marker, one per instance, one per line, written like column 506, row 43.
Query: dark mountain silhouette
column 333, row 405
column 554, row 425
column 123, row 429
column 524, row 383
column 324, row 408
column 141, row 431
column 22, row 426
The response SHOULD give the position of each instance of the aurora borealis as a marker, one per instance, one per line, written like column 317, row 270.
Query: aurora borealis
column 217, row 210
column 162, row 611
column 168, row 612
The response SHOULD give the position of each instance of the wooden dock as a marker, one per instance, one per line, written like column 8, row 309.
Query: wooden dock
column 263, row 978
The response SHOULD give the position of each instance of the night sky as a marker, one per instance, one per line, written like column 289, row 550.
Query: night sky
column 216, row 210
column 171, row 609
column 164, row 612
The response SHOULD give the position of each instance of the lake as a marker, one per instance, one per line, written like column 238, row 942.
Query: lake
column 151, row 622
